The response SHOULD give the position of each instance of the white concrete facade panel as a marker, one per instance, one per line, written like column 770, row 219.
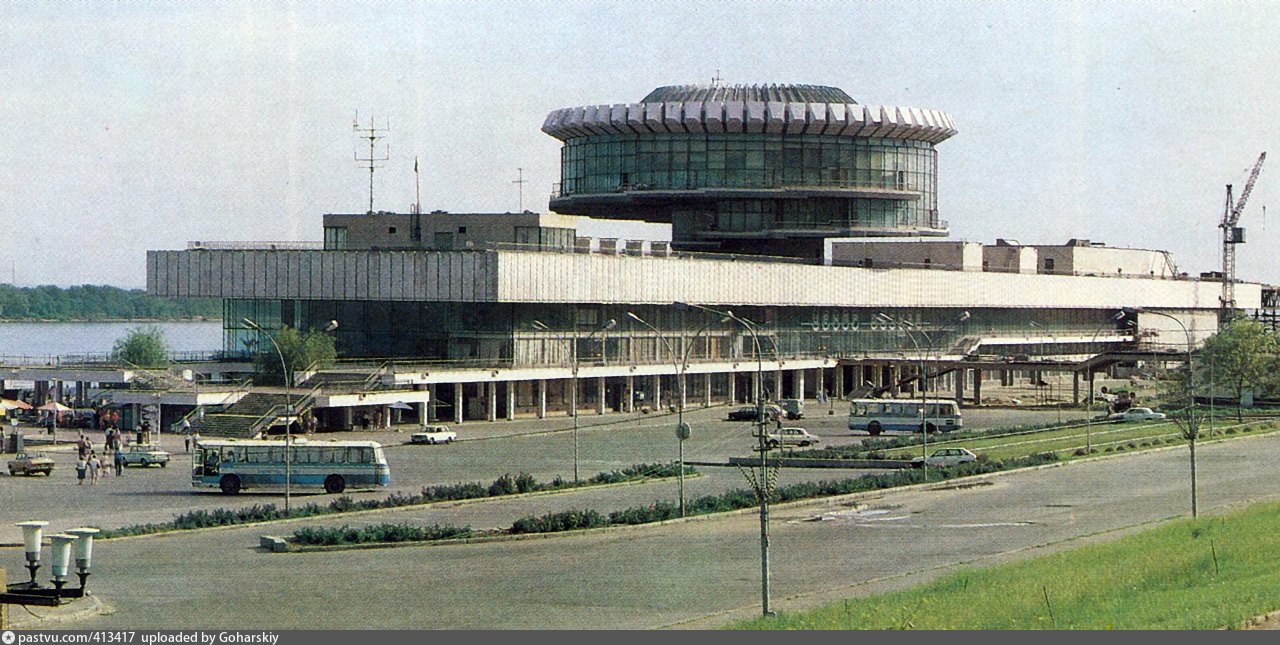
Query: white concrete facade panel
column 462, row 276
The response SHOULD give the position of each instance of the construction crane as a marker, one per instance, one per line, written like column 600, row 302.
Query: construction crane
column 1231, row 236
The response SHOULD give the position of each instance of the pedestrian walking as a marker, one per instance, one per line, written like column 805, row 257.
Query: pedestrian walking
column 94, row 465
column 195, row 439
column 81, row 467
column 119, row 461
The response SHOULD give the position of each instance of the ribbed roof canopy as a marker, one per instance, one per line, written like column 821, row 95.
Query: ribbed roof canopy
column 765, row 93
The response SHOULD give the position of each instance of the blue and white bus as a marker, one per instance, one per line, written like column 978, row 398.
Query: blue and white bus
column 883, row 415
column 233, row 465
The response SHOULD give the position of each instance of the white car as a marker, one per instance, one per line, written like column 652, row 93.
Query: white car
column 144, row 455
column 946, row 458
column 789, row 437
column 1136, row 414
column 434, row 435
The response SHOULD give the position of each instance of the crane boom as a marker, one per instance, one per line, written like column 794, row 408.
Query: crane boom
column 1231, row 236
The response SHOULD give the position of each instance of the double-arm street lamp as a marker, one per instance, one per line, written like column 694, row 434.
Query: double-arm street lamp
column 1192, row 430
column 288, row 404
column 573, row 354
column 761, row 484
column 682, row 367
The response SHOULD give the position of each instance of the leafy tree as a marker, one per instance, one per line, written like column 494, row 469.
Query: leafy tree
column 300, row 352
column 1240, row 357
column 143, row 347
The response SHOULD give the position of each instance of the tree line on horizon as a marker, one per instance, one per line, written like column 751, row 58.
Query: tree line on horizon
column 94, row 302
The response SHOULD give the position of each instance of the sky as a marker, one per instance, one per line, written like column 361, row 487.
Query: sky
column 147, row 125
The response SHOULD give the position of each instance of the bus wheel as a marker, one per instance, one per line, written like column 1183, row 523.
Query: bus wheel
column 873, row 428
column 334, row 484
column 230, row 484
column 931, row 429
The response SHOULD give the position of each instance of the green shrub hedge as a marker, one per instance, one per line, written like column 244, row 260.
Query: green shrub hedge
column 507, row 484
column 328, row 536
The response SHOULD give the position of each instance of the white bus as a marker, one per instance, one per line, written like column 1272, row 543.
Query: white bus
column 882, row 415
column 233, row 465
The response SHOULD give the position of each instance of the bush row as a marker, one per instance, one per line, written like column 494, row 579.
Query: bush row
column 507, row 484
column 743, row 498
column 345, row 534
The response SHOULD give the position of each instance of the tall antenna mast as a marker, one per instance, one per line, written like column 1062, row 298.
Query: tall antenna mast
column 372, row 134
column 520, row 182
column 417, row 203
column 715, row 80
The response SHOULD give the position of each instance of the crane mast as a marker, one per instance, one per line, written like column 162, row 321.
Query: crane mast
column 1231, row 236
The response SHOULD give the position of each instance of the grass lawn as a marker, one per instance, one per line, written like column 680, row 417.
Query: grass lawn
column 1188, row 574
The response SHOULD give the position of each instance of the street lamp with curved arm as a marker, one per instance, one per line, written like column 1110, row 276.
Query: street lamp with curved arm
column 1088, row 400
column 608, row 324
column 1192, row 429
column 288, row 403
column 924, row 391
column 681, row 368
column 761, row 484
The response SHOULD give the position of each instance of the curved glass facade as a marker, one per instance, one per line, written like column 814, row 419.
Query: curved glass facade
column 902, row 171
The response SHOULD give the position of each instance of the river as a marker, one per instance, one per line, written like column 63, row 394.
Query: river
column 32, row 341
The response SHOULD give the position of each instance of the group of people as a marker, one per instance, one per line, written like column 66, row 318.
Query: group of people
column 90, row 466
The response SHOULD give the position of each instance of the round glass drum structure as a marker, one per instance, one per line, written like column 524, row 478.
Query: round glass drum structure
column 731, row 166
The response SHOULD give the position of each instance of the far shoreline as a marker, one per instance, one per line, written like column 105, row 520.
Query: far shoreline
column 111, row 320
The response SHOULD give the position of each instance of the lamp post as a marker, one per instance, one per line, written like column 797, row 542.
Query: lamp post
column 924, row 401
column 682, row 431
column 288, row 404
column 1088, row 400
column 761, row 483
column 608, row 324
column 1192, row 430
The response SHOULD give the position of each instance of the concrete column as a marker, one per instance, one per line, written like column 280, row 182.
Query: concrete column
column 386, row 417
column 657, row 392
column 1075, row 388
column 797, row 383
column 977, row 386
column 600, row 398
column 706, row 390
column 733, row 387
column 431, row 406
column 777, row 384
column 573, row 396
column 682, row 390
column 491, row 403
column 960, row 374
column 1089, row 398
column 756, row 385
column 348, row 418
column 457, row 402
column 840, row 388
column 629, row 396
column 894, row 377
column 542, row 398
column 511, row 400
column 820, row 382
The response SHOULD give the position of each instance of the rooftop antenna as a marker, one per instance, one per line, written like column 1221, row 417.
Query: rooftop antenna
column 715, row 80
column 372, row 134
column 520, row 182
column 417, row 204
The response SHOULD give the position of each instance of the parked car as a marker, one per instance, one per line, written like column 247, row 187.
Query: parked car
column 434, row 435
column 789, row 437
column 945, row 458
column 30, row 463
column 144, row 455
column 1136, row 414
column 748, row 413
column 794, row 408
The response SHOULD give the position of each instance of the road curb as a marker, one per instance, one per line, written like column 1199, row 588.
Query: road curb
column 84, row 607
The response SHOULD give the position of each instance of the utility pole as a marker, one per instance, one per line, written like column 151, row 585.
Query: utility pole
column 373, row 135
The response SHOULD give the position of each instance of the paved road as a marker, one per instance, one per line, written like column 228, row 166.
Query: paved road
column 684, row 574
column 543, row 448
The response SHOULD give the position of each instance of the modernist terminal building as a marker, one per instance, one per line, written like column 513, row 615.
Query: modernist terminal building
column 811, row 218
